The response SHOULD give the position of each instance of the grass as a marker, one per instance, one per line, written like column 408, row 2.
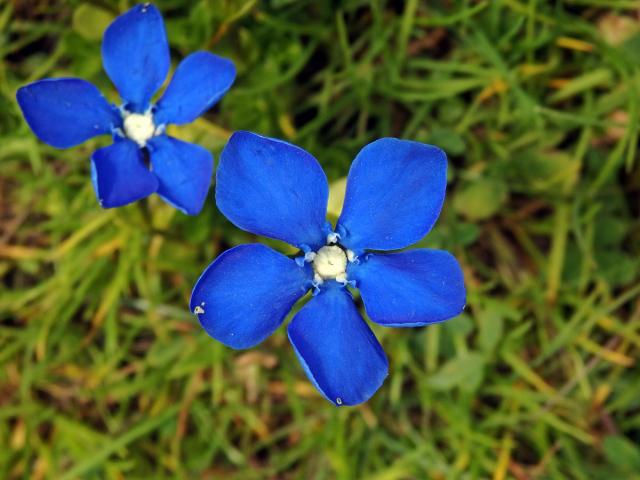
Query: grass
column 104, row 372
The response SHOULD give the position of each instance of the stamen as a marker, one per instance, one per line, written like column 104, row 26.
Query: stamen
column 333, row 237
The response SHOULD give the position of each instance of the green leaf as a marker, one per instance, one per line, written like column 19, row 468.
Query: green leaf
column 616, row 267
column 622, row 453
column 90, row 21
column 630, row 47
column 465, row 371
column 448, row 140
column 459, row 326
column 543, row 172
column 596, row 78
column 464, row 234
column 480, row 199
column 491, row 324
column 610, row 232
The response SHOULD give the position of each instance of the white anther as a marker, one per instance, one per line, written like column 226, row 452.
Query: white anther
column 333, row 237
column 330, row 262
column 351, row 256
column 139, row 127
column 309, row 256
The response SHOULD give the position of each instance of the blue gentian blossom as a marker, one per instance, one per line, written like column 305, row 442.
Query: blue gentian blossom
column 395, row 190
column 142, row 160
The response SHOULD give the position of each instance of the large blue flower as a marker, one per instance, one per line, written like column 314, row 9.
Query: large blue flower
column 395, row 191
column 64, row 112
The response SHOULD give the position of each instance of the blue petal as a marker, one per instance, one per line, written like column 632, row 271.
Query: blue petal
column 184, row 171
column 246, row 293
column 272, row 188
column 64, row 112
column 135, row 55
column 410, row 289
column 395, row 191
column 198, row 83
column 337, row 349
column 119, row 174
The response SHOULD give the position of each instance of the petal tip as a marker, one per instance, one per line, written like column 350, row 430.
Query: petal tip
column 272, row 188
column 394, row 195
column 135, row 54
column 64, row 112
column 119, row 175
column 244, row 295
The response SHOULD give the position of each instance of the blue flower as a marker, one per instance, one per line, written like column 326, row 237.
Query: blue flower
column 395, row 190
column 64, row 112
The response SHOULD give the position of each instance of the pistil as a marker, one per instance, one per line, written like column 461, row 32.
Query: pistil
column 139, row 127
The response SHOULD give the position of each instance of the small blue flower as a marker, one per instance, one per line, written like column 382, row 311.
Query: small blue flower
column 64, row 112
column 394, row 194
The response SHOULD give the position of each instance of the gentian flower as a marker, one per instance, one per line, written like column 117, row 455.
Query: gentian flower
column 64, row 112
column 395, row 190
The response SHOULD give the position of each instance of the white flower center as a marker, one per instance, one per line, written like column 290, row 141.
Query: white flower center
column 330, row 263
column 139, row 127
